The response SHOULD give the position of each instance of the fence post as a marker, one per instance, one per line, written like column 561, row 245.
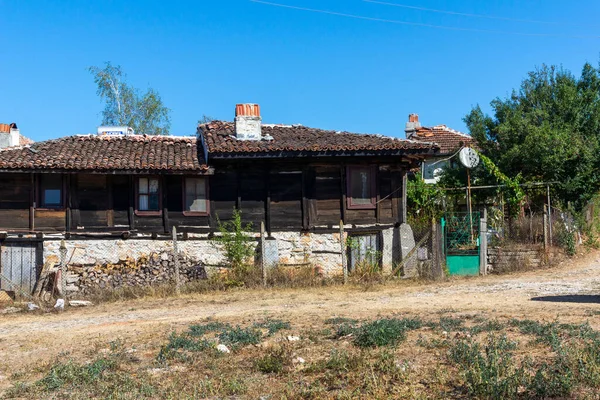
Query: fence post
column 63, row 269
column 176, row 262
column 549, row 217
column 435, row 251
column 483, row 244
column 263, row 257
column 343, row 252
column 545, row 219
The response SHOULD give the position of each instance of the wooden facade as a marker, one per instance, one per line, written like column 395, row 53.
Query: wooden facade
column 294, row 195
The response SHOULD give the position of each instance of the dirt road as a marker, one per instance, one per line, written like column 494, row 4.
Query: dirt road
column 569, row 292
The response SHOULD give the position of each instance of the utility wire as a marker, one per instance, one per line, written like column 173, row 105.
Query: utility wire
column 529, row 21
column 452, row 28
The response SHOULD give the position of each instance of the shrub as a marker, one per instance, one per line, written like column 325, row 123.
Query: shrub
column 273, row 325
column 237, row 337
column 489, row 372
column 384, row 332
column 275, row 361
column 237, row 243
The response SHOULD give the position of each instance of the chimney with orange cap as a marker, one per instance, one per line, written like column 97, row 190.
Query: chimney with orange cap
column 412, row 125
column 248, row 122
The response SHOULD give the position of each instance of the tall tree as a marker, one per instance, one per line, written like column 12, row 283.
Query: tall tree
column 547, row 130
column 126, row 106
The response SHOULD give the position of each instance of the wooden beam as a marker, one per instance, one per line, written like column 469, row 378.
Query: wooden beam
column 343, row 199
column 131, row 203
column 165, row 206
column 377, row 195
column 268, row 202
column 110, row 213
column 238, row 201
column 67, row 189
column 402, row 214
column 32, row 203
column 305, row 205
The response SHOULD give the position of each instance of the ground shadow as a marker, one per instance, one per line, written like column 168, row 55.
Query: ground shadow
column 572, row 298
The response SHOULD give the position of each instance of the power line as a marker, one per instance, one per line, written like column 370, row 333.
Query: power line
column 529, row 21
column 452, row 28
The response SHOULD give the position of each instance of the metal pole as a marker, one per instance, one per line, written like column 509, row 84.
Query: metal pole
column 469, row 207
column 343, row 252
column 549, row 217
column 176, row 262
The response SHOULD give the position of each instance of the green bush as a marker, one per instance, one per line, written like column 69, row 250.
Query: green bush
column 384, row 332
column 237, row 243
column 238, row 337
column 275, row 361
column 273, row 325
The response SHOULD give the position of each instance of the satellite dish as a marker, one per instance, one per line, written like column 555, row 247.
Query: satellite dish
column 468, row 157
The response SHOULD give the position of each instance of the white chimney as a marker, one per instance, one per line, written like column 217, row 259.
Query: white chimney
column 9, row 135
column 248, row 122
column 412, row 125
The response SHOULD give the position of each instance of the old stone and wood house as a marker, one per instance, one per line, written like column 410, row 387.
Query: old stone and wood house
column 116, row 198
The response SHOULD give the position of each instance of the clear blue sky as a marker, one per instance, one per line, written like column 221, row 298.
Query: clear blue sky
column 317, row 69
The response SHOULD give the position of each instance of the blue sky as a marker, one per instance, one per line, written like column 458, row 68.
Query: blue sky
column 317, row 69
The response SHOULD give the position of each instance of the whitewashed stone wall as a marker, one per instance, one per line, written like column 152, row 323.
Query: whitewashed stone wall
column 98, row 259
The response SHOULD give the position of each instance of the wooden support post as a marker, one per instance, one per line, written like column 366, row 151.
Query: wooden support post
column 343, row 200
column 263, row 258
column 377, row 196
column 546, row 227
column 32, row 193
column 403, row 215
column 268, row 202
column 110, row 213
column 176, row 262
column 305, row 205
column 165, row 205
column 69, row 201
column 131, row 203
column 549, row 216
column 343, row 252
column 63, row 270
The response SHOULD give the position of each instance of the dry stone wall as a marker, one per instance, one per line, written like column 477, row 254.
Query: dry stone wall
column 511, row 259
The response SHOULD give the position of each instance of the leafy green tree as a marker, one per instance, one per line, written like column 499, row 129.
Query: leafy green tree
column 547, row 130
column 126, row 106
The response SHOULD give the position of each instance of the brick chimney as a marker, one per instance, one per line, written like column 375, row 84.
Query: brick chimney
column 412, row 125
column 9, row 135
column 248, row 122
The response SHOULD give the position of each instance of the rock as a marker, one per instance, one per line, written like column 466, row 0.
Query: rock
column 32, row 306
column 80, row 303
column 299, row 360
column 223, row 349
column 60, row 304
column 11, row 310
column 293, row 338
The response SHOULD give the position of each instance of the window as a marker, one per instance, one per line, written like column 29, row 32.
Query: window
column 51, row 191
column 195, row 196
column 148, row 195
column 361, row 187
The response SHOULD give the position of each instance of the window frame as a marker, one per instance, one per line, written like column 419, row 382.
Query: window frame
column 373, row 187
column 183, row 198
column 41, row 198
column 137, row 196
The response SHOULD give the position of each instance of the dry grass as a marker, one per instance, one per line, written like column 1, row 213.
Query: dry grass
column 452, row 356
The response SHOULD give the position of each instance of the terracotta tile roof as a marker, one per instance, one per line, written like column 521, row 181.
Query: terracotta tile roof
column 219, row 139
column 103, row 153
column 448, row 139
column 24, row 141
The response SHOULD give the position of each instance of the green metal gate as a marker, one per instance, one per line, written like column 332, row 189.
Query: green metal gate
column 461, row 242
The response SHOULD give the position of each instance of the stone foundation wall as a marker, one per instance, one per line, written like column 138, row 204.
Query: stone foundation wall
column 511, row 259
column 104, row 264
